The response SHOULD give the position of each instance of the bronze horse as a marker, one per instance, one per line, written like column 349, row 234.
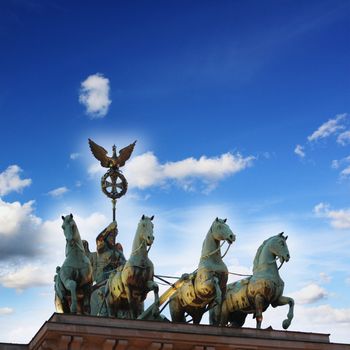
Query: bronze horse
column 254, row 294
column 75, row 273
column 128, row 287
column 206, row 287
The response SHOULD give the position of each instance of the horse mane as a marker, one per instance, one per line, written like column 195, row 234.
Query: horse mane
column 136, row 238
column 258, row 253
column 79, row 241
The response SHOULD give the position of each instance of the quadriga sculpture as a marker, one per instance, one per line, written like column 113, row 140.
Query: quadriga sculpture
column 208, row 284
column 127, row 288
column 75, row 274
column 254, row 294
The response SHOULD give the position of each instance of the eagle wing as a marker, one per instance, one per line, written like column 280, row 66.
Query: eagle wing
column 125, row 153
column 100, row 153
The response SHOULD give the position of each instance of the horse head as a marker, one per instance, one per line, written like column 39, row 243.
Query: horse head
column 69, row 228
column 145, row 229
column 278, row 247
column 221, row 231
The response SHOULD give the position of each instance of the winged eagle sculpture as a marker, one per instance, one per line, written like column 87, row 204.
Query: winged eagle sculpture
column 115, row 161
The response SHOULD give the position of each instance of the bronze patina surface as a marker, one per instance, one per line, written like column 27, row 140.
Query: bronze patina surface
column 128, row 287
column 113, row 182
column 263, row 288
column 121, row 286
column 206, row 287
column 75, row 274
column 107, row 259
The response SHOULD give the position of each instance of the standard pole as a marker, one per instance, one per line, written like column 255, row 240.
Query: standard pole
column 113, row 203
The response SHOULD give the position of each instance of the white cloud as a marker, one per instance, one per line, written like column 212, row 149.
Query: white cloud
column 33, row 262
column 339, row 219
column 94, row 95
column 319, row 319
column 14, row 216
column 299, row 150
column 6, row 311
column 95, row 169
column 326, row 314
column 344, row 138
column 18, row 230
column 321, row 208
column 345, row 173
column 58, row 192
column 335, row 164
column 74, row 156
column 328, row 128
column 26, row 276
column 309, row 294
column 11, row 181
column 52, row 237
column 145, row 170
column 209, row 168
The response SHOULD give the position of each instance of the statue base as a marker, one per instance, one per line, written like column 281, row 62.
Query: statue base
column 77, row 332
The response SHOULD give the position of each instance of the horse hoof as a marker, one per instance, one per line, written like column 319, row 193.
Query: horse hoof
column 285, row 324
column 155, row 312
column 73, row 310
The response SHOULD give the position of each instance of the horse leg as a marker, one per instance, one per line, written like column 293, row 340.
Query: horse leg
column 71, row 285
column 237, row 319
column 259, row 305
column 177, row 313
column 282, row 300
column 215, row 315
column 132, row 309
column 151, row 285
column 140, row 308
column 107, row 299
column 224, row 313
column 86, row 300
column 61, row 301
column 86, row 283
column 59, row 304
column 215, row 311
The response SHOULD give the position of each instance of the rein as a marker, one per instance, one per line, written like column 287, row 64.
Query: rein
column 228, row 247
column 139, row 247
column 217, row 250
column 274, row 261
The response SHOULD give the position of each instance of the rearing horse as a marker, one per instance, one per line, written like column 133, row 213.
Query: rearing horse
column 265, row 287
column 76, row 271
column 127, row 289
column 208, row 284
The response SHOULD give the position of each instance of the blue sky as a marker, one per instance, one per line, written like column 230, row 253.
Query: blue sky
column 240, row 108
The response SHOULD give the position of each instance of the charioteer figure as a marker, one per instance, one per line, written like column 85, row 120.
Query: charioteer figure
column 108, row 258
